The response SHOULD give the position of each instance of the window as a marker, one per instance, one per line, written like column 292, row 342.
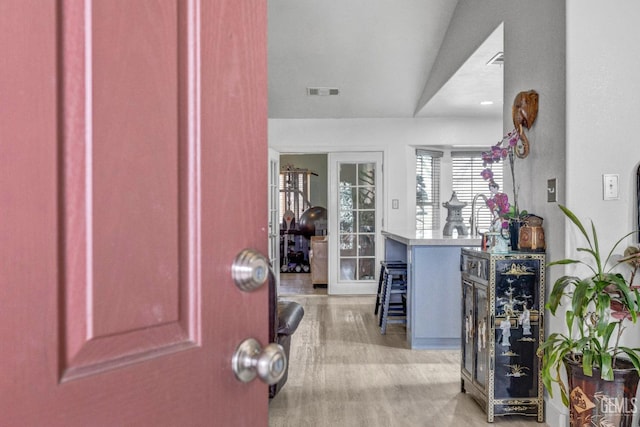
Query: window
column 467, row 182
column 427, row 190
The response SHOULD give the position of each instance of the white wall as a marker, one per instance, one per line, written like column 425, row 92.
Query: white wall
column 396, row 138
column 603, row 65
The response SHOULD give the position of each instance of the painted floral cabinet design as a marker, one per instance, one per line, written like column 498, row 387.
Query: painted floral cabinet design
column 502, row 327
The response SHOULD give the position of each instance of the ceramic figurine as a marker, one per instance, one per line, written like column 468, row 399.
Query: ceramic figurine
column 499, row 243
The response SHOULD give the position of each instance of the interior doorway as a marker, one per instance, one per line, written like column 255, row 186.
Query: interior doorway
column 321, row 251
column 302, row 206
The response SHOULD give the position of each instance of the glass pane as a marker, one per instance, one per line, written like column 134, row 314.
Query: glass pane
column 348, row 245
column 346, row 195
column 348, row 174
column 347, row 269
column 357, row 221
column 366, row 198
column 367, row 221
column 427, row 189
column 367, row 174
column 367, row 269
column 346, row 222
column 351, row 197
column 367, row 245
column 423, row 216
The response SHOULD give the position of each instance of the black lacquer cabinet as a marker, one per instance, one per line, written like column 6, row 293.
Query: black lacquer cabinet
column 502, row 327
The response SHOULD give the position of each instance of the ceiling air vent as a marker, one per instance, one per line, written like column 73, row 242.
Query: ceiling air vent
column 322, row 91
column 497, row 59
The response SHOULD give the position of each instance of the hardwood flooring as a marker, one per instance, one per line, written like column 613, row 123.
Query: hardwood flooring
column 299, row 284
column 344, row 373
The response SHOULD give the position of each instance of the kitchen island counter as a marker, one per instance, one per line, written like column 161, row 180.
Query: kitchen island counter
column 433, row 285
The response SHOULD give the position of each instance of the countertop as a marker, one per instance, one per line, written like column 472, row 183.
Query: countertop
column 430, row 238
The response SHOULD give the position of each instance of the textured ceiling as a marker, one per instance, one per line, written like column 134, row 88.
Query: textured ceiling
column 378, row 53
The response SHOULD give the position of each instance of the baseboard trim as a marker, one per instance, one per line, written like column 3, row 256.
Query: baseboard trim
column 418, row 343
column 555, row 416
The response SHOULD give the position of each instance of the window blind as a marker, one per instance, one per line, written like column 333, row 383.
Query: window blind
column 427, row 189
column 467, row 182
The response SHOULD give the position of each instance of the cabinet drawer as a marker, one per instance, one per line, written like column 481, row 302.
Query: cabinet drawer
column 474, row 267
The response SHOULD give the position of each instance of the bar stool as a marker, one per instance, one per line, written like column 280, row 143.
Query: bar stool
column 393, row 308
column 381, row 278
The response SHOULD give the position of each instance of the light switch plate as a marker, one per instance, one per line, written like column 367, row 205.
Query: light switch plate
column 610, row 186
column 552, row 190
column 395, row 204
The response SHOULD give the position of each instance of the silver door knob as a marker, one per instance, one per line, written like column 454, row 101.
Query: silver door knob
column 249, row 360
column 250, row 270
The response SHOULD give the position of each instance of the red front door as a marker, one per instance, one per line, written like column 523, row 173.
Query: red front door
column 133, row 166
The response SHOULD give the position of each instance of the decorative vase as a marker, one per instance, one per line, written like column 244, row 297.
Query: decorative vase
column 532, row 235
column 594, row 401
column 514, row 233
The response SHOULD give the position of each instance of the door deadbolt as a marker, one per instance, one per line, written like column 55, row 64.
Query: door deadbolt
column 249, row 360
column 250, row 270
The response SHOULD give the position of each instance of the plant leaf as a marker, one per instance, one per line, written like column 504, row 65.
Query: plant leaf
column 616, row 245
column 579, row 296
column 632, row 354
column 558, row 291
column 576, row 221
column 587, row 362
column 606, row 368
column 596, row 249
column 606, row 333
column 563, row 262
column 569, row 317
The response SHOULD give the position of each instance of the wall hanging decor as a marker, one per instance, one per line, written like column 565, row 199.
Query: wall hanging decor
column 524, row 112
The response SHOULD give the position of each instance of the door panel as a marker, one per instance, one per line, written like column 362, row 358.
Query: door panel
column 355, row 211
column 125, row 246
column 481, row 365
column 123, row 125
column 469, row 327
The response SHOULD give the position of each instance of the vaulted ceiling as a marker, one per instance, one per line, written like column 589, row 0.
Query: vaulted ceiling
column 378, row 54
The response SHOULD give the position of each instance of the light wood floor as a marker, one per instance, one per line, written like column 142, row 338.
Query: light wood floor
column 299, row 284
column 344, row 373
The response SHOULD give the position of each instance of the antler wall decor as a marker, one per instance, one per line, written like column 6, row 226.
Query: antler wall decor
column 524, row 111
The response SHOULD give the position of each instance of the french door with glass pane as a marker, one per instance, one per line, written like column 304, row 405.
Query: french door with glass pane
column 355, row 222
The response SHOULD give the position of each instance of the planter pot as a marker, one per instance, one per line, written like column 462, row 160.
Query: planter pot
column 596, row 402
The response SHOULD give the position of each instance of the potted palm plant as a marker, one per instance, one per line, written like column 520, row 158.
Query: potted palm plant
column 602, row 374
